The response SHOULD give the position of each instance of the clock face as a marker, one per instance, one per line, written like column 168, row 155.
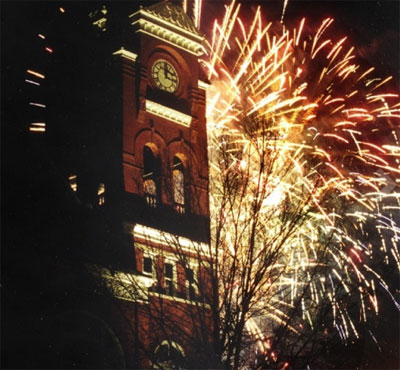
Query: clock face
column 164, row 75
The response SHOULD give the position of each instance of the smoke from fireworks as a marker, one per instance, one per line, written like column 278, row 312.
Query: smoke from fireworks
column 310, row 133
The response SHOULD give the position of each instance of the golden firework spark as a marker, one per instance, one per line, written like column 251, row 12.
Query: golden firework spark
column 331, row 135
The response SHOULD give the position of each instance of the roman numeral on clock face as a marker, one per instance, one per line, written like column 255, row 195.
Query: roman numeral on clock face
column 165, row 75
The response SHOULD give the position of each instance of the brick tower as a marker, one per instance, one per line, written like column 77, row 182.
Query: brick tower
column 164, row 142
column 164, row 193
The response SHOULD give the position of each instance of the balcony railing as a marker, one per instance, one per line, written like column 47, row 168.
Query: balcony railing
column 151, row 200
column 179, row 208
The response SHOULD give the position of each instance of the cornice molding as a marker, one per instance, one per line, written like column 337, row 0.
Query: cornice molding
column 169, row 23
column 123, row 285
column 169, row 240
column 126, row 54
column 168, row 113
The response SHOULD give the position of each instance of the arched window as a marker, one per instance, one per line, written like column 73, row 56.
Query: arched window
column 178, row 183
column 149, row 176
column 169, row 355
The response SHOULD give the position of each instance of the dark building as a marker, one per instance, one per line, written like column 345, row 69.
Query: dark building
column 105, row 199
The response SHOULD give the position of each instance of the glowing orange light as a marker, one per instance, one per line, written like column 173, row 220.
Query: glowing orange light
column 37, row 74
column 37, row 127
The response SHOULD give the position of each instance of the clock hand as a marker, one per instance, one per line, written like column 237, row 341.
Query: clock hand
column 170, row 76
column 165, row 69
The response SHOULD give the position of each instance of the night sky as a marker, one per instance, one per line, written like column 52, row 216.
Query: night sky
column 372, row 26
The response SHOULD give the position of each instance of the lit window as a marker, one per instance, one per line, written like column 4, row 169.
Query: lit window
column 100, row 193
column 178, row 180
column 149, row 177
column 72, row 182
column 37, row 127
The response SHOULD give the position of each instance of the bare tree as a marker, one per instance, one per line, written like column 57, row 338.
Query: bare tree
column 293, row 266
column 222, row 299
column 275, row 287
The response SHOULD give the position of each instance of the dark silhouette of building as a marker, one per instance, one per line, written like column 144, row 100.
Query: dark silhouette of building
column 105, row 167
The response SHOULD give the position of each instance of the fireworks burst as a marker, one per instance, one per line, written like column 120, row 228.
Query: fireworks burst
column 314, row 139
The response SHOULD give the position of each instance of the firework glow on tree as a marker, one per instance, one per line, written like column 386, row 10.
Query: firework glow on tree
column 324, row 130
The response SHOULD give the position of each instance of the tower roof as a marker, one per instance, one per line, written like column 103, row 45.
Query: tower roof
column 168, row 21
column 173, row 13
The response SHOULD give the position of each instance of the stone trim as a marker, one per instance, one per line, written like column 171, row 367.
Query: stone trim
column 168, row 113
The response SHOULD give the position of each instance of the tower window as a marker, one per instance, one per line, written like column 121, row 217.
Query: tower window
column 168, row 270
column 149, row 177
column 178, row 180
column 169, row 278
column 191, row 290
column 190, row 275
column 191, row 293
column 147, row 266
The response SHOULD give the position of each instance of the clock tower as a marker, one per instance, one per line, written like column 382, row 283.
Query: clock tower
column 164, row 192
column 164, row 140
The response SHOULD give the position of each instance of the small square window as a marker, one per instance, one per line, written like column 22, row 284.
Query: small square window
column 147, row 265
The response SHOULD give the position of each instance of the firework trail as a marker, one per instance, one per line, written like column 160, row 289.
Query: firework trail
column 330, row 132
